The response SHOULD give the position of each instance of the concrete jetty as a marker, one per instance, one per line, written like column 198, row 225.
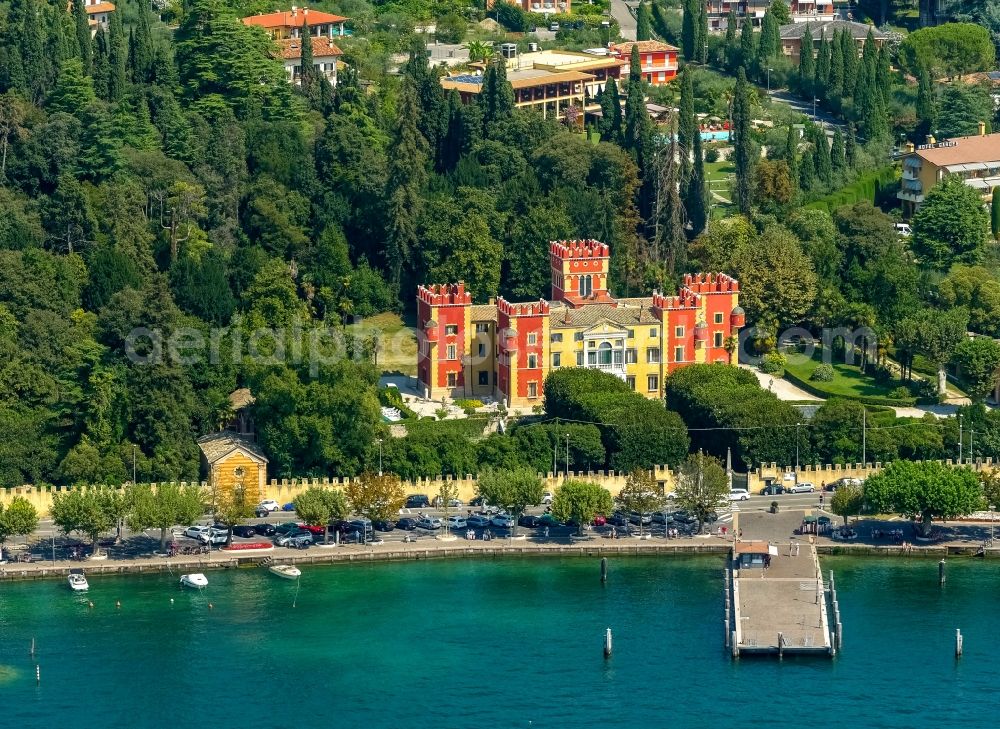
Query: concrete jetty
column 776, row 599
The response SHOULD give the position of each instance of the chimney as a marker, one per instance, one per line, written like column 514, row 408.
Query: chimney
column 982, row 129
column 909, row 147
column 930, row 139
column 305, row 12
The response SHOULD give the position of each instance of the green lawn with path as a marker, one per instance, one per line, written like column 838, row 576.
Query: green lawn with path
column 848, row 381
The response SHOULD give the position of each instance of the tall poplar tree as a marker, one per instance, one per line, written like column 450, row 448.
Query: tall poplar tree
column 83, row 35
column 849, row 52
column 821, row 156
column 822, row 77
column 770, row 38
column 838, row 156
column 497, row 97
column 702, row 37
column 143, row 52
column 611, row 110
column 748, row 47
column 927, row 114
column 835, row 83
column 743, row 146
column 851, row 147
column 669, row 240
column 406, row 183
column 101, row 64
column 792, row 153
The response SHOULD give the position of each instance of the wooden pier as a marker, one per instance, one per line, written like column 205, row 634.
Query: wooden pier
column 777, row 601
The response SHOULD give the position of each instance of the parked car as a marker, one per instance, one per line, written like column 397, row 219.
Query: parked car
column 418, row 501
column 313, row 529
column 504, row 521
column 196, row 531
column 407, row 523
column 738, row 494
column 290, row 506
column 264, row 529
column 547, row 497
column 478, row 501
column 268, row 505
column 429, row 522
column 527, row 520
column 457, row 521
column 287, row 527
column 683, row 517
column 478, row 521
column 287, row 539
column 834, row 485
column 802, row 488
column 903, row 230
column 360, row 526
column 215, row 536
column 244, row 530
column 772, row 490
column 617, row 519
column 384, row 525
column 452, row 503
column 599, row 520
column 547, row 520
column 636, row 518
column 661, row 517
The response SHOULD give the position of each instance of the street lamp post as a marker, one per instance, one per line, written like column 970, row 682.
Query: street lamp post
column 960, row 438
column 769, row 69
column 567, row 454
column 379, row 441
column 797, row 452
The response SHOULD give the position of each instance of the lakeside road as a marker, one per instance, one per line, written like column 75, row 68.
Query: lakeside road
column 622, row 13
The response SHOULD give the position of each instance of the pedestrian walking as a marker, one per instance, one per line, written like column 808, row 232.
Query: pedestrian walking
column 821, row 501
column 546, row 532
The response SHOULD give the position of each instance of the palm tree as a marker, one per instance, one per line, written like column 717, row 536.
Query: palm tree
column 480, row 51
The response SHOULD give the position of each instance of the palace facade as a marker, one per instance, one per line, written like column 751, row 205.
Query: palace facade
column 505, row 350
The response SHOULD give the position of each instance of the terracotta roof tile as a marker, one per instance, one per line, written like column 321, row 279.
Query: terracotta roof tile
column 646, row 46
column 965, row 150
column 291, row 48
column 289, row 19
column 100, row 8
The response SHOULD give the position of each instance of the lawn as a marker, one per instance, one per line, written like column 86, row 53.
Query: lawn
column 848, row 381
column 718, row 175
column 397, row 343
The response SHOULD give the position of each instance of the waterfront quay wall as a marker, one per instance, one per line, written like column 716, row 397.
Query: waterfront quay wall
column 825, row 473
column 285, row 490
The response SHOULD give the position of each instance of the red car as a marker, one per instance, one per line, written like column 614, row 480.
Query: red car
column 311, row 529
column 600, row 520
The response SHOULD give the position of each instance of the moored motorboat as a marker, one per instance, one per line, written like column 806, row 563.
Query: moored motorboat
column 77, row 580
column 288, row 571
column 196, row 580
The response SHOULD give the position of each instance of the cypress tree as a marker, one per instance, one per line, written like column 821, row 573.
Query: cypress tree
column 689, row 30
column 743, row 146
column 33, row 56
column 643, row 30
column 807, row 171
column 822, row 78
column 838, row 157
column 117, row 58
column 792, row 153
column 83, row 35
column 851, row 147
column 849, row 52
column 748, row 47
column 687, row 127
column 101, row 64
column 497, row 97
column 637, row 121
column 406, row 183
column 835, row 83
column 611, row 108
column 882, row 75
column 669, row 240
column 634, row 66
column 995, row 212
column 696, row 198
column 307, row 70
column 807, row 70
column 821, row 154
column 144, row 52
column 732, row 49
column 926, row 103
column 702, row 38
column 770, row 37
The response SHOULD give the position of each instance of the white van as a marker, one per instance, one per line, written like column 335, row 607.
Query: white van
column 738, row 494
column 903, row 230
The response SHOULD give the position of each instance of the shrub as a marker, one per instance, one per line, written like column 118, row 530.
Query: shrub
column 773, row 363
column 823, row 373
column 469, row 406
column 389, row 397
column 900, row 392
column 882, row 373
column 712, row 154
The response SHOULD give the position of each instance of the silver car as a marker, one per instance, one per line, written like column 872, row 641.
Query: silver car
column 802, row 488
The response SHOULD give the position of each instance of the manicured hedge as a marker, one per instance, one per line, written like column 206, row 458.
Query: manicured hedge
column 812, row 389
column 870, row 187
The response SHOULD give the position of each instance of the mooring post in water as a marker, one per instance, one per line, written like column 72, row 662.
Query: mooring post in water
column 781, row 645
column 941, row 575
column 32, row 647
column 38, row 674
column 604, row 569
column 727, row 631
column 607, row 643
column 958, row 643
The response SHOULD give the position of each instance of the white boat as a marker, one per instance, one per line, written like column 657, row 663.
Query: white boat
column 288, row 571
column 77, row 580
column 196, row 580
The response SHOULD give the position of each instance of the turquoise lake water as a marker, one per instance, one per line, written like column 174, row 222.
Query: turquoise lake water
column 513, row 643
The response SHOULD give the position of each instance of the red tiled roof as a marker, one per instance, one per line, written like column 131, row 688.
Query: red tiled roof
column 322, row 48
column 965, row 150
column 100, row 8
column 293, row 18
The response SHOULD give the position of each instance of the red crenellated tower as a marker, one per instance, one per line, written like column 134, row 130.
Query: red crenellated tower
column 580, row 270
column 719, row 315
column 522, row 341
column 443, row 315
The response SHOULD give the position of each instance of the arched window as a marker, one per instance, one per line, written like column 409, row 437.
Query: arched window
column 582, row 284
column 604, row 354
